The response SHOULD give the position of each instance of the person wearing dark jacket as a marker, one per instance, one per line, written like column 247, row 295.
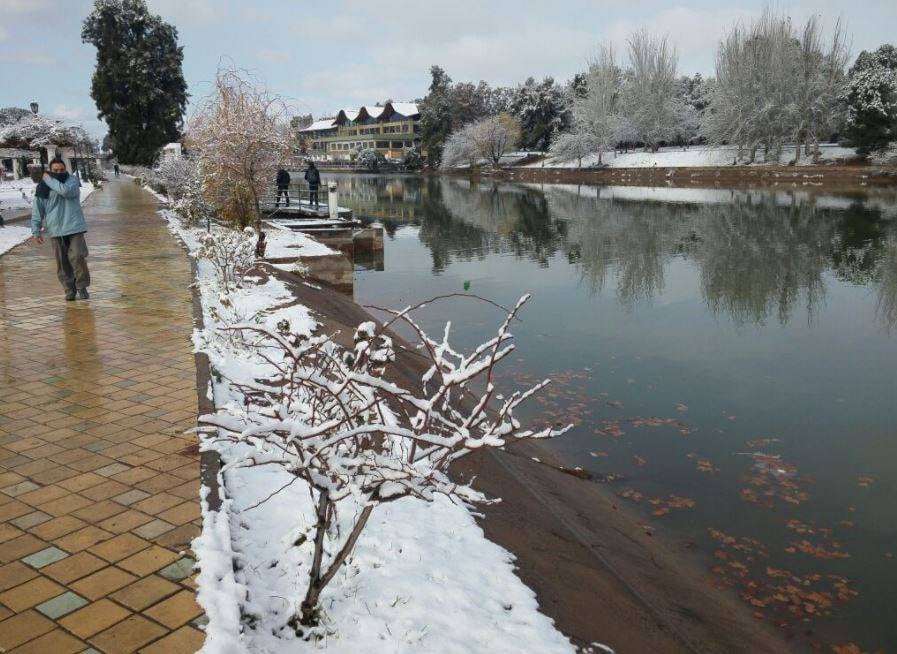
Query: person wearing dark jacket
column 313, row 177
column 283, row 187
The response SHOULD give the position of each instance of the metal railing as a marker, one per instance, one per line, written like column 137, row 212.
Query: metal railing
column 297, row 195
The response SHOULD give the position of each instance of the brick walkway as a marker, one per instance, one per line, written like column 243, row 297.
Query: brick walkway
column 98, row 483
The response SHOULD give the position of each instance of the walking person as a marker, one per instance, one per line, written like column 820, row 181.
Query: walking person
column 283, row 187
column 56, row 210
column 313, row 177
column 115, row 168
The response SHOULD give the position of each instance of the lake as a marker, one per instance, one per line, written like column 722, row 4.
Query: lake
column 729, row 359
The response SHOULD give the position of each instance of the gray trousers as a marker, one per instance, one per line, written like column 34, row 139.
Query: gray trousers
column 71, row 261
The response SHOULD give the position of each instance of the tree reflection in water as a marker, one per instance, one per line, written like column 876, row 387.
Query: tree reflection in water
column 760, row 255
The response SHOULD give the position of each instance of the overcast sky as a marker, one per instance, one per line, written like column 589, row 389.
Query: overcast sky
column 322, row 56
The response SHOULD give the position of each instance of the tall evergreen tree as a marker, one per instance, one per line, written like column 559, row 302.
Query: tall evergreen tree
column 436, row 115
column 138, row 84
column 871, row 100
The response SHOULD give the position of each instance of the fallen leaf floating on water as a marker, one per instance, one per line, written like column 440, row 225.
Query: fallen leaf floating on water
column 865, row 482
column 682, row 408
column 631, row 494
column 703, row 465
column 665, row 505
column 763, row 442
column 818, row 551
column 775, row 480
column 785, row 598
column 617, row 404
column 653, row 421
column 598, row 453
column 639, row 461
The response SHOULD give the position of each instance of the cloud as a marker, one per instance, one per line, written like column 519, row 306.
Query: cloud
column 27, row 59
column 21, row 7
column 4, row 34
column 65, row 112
column 273, row 56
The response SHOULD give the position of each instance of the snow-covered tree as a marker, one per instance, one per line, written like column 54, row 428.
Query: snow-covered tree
column 138, row 84
column 240, row 136
column 32, row 132
column 496, row 136
column 542, row 109
column 649, row 90
column 332, row 417
column 574, row 145
column 775, row 86
column 461, row 149
column 597, row 117
column 489, row 138
column 870, row 98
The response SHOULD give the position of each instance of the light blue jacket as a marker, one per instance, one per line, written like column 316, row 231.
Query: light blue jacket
column 61, row 212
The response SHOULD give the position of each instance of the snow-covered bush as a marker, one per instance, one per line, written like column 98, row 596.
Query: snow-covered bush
column 369, row 158
column 330, row 416
column 412, row 159
column 489, row 138
column 573, row 146
column 176, row 174
column 231, row 253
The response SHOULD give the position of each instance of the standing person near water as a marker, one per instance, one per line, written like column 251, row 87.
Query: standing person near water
column 313, row 177
column 283, row 187
column 57, row 211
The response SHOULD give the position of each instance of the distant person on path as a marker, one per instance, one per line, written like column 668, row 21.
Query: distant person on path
column 57, row 210
column 115, row 168
column 283, row 187
column 313, row 177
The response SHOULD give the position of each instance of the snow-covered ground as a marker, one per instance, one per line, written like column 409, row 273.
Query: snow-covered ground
column 17, row 195
column 694, row 156
column 284, row 243
column 423, row 577
column 15, row 199
column 12, row 235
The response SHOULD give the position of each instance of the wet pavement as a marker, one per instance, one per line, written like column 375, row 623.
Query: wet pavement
column 99, row 484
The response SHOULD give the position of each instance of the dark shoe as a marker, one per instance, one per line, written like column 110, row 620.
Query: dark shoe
column 70, row 295
column 83, row 294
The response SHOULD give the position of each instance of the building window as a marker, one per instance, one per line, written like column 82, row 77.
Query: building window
column 397, row 144
column 383, row 144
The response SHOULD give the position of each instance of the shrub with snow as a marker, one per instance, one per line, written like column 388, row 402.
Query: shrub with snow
column 327, row 415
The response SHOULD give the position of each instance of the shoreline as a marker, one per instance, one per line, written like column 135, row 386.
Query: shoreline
column 595, row 568
column 822, row 178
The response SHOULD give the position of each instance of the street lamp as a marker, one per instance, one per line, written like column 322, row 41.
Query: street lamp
column 34, row 108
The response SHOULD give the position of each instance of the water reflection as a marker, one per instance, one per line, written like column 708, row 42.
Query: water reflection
column 760, row 255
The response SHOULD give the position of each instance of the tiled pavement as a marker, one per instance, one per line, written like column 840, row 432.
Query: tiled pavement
column 98, row 482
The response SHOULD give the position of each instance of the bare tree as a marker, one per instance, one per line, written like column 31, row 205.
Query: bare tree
column 240, row 135
column 329, row 417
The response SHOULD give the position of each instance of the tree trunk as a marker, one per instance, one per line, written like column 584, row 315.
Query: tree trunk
column 310, row 604
column 319, row 582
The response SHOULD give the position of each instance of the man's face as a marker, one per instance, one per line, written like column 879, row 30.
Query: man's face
column 57, row 168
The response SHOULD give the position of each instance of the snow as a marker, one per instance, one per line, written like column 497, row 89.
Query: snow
column 694, row 156
column 285, row 243
column 12, row 235
column 423, row 577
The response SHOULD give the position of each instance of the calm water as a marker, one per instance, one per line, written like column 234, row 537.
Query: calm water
column 729, row 359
